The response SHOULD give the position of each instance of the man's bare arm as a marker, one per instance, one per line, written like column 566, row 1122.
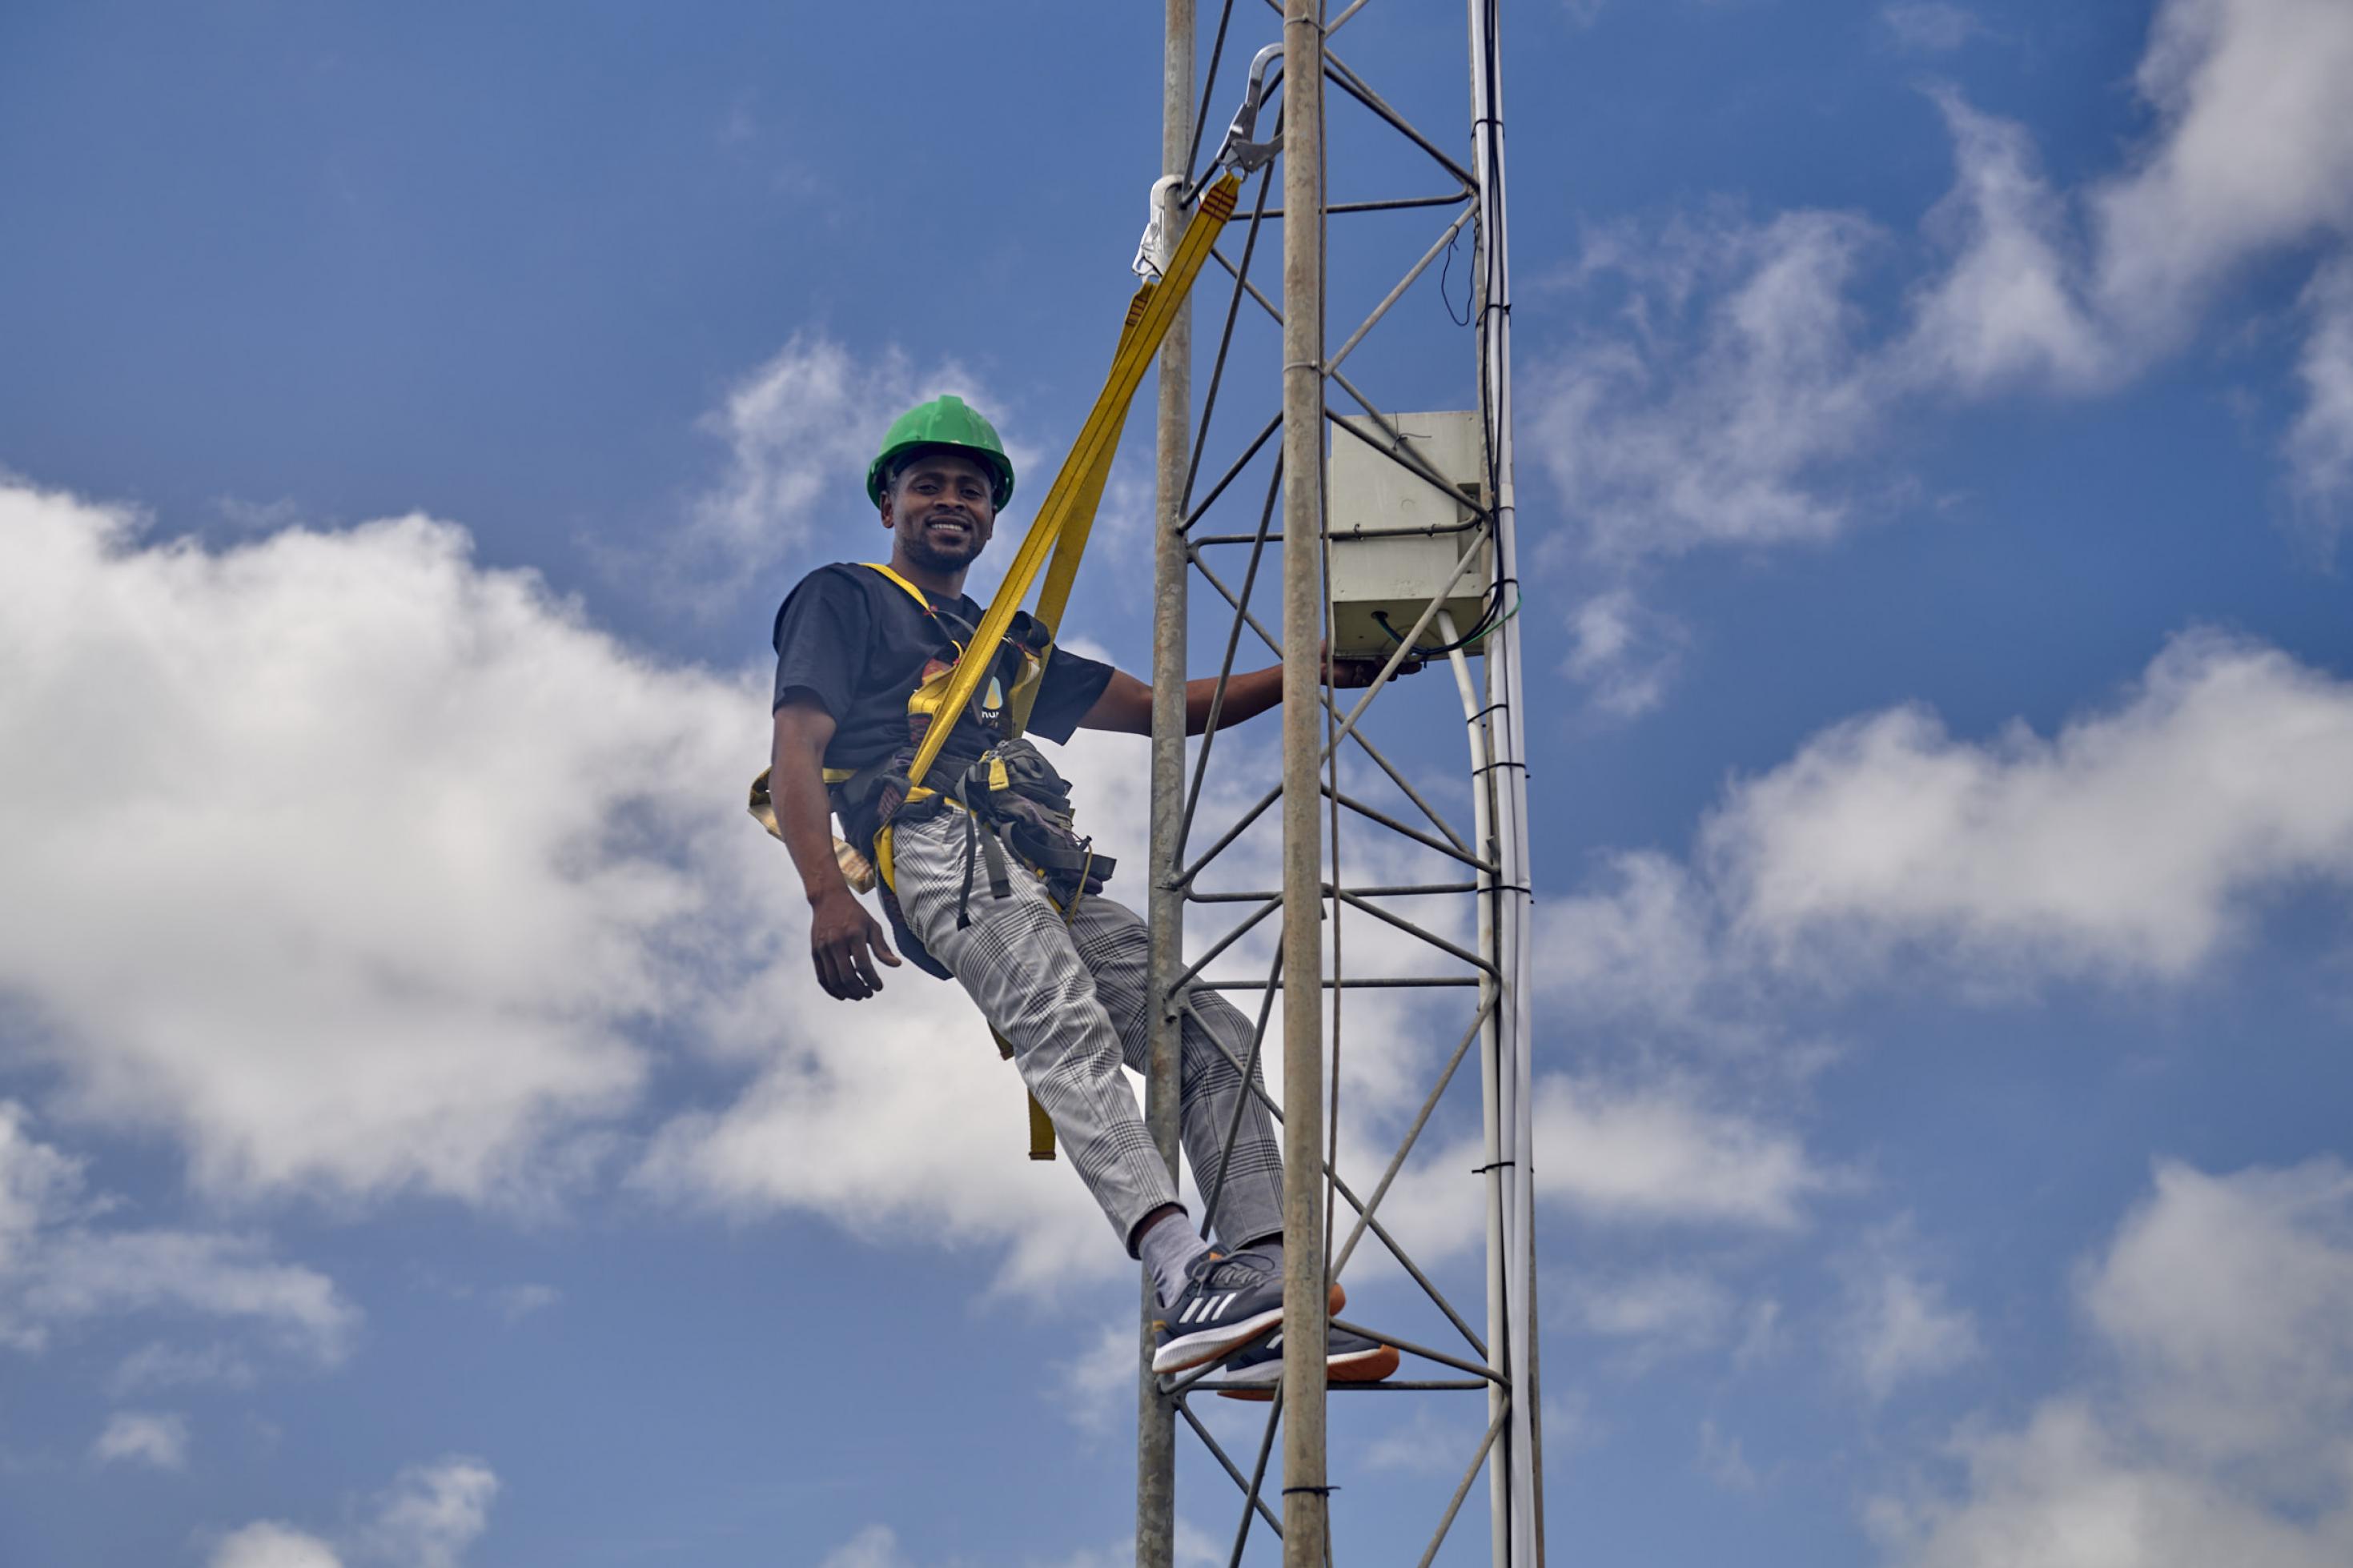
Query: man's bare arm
column 1126, row 705
column 844, row 940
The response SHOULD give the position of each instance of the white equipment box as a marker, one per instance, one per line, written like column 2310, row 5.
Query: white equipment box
column 1395, row 536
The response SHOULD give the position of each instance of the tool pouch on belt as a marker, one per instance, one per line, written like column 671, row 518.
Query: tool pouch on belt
column 1015, row 791
column 1012, row 801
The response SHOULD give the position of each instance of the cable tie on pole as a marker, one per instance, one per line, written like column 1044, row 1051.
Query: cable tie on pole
column 1314, row 1492
column 1483, row 1170
column 1491, row 767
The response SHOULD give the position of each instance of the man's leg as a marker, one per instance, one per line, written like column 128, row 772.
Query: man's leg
column 1017, row 961
column 1114, row 943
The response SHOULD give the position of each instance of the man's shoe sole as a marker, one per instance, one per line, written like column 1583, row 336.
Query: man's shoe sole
column 1360, row 1366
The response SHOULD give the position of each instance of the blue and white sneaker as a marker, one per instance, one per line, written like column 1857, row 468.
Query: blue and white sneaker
column 1225, row 1302
column 1348, row 1358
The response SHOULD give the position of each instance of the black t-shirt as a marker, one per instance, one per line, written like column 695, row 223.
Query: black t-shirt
column 856, row 642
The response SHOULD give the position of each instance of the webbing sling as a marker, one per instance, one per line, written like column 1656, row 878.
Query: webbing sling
column 1063, row 522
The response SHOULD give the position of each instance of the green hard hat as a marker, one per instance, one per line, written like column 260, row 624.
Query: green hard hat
column 946, row 421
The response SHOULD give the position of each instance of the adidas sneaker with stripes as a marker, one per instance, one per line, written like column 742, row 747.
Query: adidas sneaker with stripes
column 1226, row 1301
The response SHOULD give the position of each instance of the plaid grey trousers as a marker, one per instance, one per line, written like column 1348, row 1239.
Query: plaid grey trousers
column 1070, row 997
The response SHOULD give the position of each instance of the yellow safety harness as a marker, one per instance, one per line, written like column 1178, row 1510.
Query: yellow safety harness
column 1059, row 531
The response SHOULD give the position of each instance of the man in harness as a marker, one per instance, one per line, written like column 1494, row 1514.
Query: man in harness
column 986, row 879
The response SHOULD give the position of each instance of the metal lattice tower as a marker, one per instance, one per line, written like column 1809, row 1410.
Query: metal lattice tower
column 1469, row 981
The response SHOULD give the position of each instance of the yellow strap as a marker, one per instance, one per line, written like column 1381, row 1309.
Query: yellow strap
column 1042, row 1126
column 917, row 593
column 1055, row 596
column 1098, row 440
column 1065, row 571
column 1041, row 1131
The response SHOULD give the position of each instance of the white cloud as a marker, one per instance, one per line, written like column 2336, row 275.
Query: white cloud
column 1096, row 1387
column 2320, row 443
column 516, row 1303
column 1742, row 395
column 876, row 1546
column 2223, row 1300
column 84, row 1275
column 1930, row 26
column 2004, row 312
column 1625, row 652
column 1893, row 1325
column 39, row 1185
column 431, row 1514
column 1194, row 1548
column 800, row 430
column 1655, row 1149
column 1427, row 1444
column 355, row 862
column 2252, row 151
column 900, row 1126
column 1664, row 1311
column 160, row 1365
column 2135, row 841
column 427, row 1518
column 1767, row 390
column 1723, row 1460
column 2068, row 1492
column 269, row 1544
column 1656, row 1152
column 2230, row 1300
column 1637, row 945
column 59, row 1267
column 149, row 1437
column 1763, row 1336
column 2133, row 845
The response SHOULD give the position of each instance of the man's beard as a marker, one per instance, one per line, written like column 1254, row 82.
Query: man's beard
column 920, row 551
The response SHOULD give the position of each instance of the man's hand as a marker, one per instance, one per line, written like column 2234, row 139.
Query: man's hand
column 841, row 934
column 1353, row 674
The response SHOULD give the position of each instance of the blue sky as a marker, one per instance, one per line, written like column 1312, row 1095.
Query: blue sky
column 421, row 1144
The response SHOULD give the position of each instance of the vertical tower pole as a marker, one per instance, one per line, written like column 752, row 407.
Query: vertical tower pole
column 1155, row 1433
column 1520, row 1513
column 1306, row 1496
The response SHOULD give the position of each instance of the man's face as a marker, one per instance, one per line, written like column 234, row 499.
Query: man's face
column 940, row 507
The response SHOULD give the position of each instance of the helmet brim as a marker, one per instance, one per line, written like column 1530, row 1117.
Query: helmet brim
column 878, row 472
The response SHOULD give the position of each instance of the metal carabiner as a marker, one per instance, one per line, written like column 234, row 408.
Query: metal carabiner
column 1238, row 152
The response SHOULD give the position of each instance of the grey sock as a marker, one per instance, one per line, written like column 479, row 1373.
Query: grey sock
column 1169, row 1248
